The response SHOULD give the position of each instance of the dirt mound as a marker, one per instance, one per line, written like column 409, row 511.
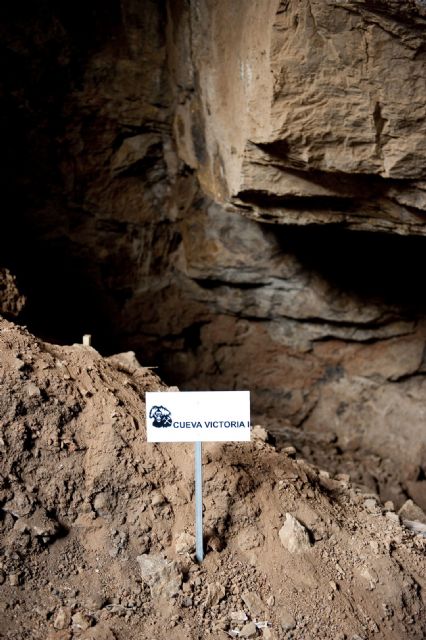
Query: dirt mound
column 96, row 528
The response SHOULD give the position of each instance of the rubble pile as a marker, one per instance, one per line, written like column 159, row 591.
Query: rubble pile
column 96, row 525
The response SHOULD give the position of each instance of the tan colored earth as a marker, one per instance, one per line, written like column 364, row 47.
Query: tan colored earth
column 96, row 528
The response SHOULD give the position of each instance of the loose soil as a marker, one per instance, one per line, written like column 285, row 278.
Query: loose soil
column 96, row 525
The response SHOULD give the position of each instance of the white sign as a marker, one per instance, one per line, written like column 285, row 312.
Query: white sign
column 198, row 416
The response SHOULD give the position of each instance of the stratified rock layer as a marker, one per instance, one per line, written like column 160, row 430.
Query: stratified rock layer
column 313, row 111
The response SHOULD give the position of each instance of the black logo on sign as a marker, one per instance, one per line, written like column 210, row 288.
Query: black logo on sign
column 161, row 417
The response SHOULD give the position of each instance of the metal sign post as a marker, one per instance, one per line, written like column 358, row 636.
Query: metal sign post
column 199, row 548
column 198, row 416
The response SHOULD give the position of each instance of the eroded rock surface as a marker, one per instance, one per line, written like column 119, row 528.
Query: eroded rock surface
column 313, row 111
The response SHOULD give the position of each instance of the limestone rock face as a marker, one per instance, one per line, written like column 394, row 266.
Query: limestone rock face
column 313, row 112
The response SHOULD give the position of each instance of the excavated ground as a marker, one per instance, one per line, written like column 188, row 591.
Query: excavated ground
column 96, row 525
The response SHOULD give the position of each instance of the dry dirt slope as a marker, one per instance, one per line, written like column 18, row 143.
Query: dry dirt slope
column 96, row 525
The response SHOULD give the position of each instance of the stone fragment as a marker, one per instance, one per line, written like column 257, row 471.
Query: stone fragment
column 215, row 543
column 63, row 618
column 162, row 576
column 410, row 511
column 14, row 579
column 81, row 621
column 392, row 516
column 253, row 602
column 185, row 543
column 38, row 524
column 157, row 499
column 18, row 363
column 238, row 616
column 290, row 451
column 94, row 601
column 417, row 491
column 371, row 505
column 249, row 630
column 259, row 433
column 125, row 361
column 249, row 538
column 294, row 536
column 33, row 390
column 19, row 506
column 215, row 593
column 369, row 576
column 102, row 504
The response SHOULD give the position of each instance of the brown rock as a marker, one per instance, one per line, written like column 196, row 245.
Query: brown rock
column 249, row 630
column 254, row 603
column 410, row 511
column 215, row 593
column 63, row 618
column 294, row 536
column 185, row 543
column 163, row 577
column 417, row 491
column 81, row 621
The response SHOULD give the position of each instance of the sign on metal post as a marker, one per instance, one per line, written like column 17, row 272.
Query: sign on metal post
column 198, row 416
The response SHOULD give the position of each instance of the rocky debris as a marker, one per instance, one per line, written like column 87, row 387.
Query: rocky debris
column 38, row 524
column 410, row 511
column 95, row 535
column 248, row 631
column 238, row 616
column 259, row 433
column 63, row 618
column 413, row 517
column 254, row 603
column 215, row 593
column 294, row 536
column 81, row 621
column 163, row 577
column 185, row 543
column 417, row 491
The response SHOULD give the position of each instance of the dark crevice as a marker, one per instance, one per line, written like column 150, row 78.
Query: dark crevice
column 374, row 267
column 264, row 199
column 212, row 283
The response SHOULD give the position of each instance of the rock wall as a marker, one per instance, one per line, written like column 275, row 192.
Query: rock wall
column 305, row 111
column 150, row 151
